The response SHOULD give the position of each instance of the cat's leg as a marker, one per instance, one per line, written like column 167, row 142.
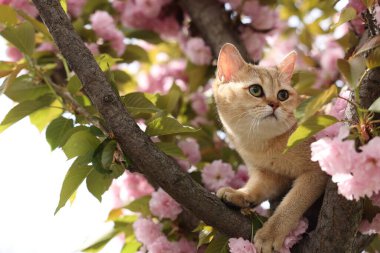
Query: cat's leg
column 305, row 191
column 262, row 185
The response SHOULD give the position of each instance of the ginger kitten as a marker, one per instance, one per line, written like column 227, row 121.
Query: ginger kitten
column 255, row 105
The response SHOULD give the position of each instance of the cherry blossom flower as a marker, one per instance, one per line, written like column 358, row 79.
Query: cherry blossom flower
column 241, row 177
column 239, row 245
column 217, row 175
column 164, row 206
column 186, row 246
column 163, row 245
column 197, row 51
column 147, row 231
column 254, row 42
column 198, row 103
column 190, row 148
column 369, row 228
column 294, row 236
column 75, row 7
column 13, row 53
column 104, row 26
column 23, row 5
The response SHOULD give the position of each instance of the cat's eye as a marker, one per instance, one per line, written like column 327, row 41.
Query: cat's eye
column 283, row 95
column 256, row 90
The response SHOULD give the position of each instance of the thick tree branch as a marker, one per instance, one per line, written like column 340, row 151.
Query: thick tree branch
column 137, row 146
column 213, row 24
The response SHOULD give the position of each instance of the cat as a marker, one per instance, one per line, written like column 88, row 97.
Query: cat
column 255, row 105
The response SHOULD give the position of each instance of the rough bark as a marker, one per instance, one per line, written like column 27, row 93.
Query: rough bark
column 338, row 220
column 155, row 165
column 213, row 24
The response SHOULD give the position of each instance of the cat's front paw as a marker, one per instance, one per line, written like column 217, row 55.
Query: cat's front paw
column 234, row 197
column 269, row 239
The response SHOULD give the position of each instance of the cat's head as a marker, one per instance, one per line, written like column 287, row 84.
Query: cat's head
column 257, row 100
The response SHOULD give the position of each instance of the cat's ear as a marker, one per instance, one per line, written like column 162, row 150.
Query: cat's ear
column 229, row 62
column 286, row 67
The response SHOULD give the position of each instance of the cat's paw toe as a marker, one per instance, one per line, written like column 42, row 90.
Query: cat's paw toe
column 233, row 197
column 267, row 240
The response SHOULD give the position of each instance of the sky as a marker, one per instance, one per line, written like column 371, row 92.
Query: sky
column 31, row 176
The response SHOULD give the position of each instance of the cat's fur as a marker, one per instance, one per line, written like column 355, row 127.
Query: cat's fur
column 259, row 128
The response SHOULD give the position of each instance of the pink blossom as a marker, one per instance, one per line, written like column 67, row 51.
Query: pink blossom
column 162, row 245
column 47, row 46
column 357, row 25
column 239, row 245
column 161, row 77
column 217, row 175
column 75, row 7
column 376, row 199
column 163, row 206
column 93, row 47
column 186, row 246
column 329, row 59
column 147, row 231
column 241, row 177
column 197, row 51
column 336, row 157
column 23, row 5
column 254, row 42
column 294, row 236
column 103, row 25
column 263, row 17
column 358, row 5
column 199, row 104
column 190, row 149
column 369, row 228
column 13, row 53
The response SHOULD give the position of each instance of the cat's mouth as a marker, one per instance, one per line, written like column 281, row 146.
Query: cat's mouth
column 272, row 115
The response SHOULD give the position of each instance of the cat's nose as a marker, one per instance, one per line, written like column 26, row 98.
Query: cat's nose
column 274, row 105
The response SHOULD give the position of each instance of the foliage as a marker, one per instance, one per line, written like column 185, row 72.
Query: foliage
column 162, row 70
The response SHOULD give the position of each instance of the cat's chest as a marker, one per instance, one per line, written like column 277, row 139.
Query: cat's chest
column 288, row 164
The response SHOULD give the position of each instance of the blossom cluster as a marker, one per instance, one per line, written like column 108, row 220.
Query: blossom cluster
column 239, row 245
column 355, row 171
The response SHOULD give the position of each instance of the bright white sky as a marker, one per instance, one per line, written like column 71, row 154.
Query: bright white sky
column 30, row 182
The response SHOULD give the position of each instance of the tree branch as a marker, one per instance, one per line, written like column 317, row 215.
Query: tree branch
column 136, row 145
column 215, row 27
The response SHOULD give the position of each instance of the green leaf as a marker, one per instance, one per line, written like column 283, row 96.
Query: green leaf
column 21, row 36
column 106, row 61
column 57, row 130
column 121, row 76
column 44, row 116
column 74, row 177
column 148, row 36
column 131, row 247
column 63, row 4
column 352, row 70
column 375, row 107
column 219, row 244
column 137, row 102
column 74, row 85
column 97, row 161
column 8, row 16
column 167, row 125
column 309, row 128
column 370, row 44
column 140, row 205
column 101, row 242
column 80, row 143
column 303, row 83
column 39, row 26
column 206, row 234
column 315, row 103
column 135, row 53
column 6, row 67
column 98, row 184
column 169, row 102
column 198, row 75
column 24, row 88
column 347, row 14
column 24, row 109
column 171, row 149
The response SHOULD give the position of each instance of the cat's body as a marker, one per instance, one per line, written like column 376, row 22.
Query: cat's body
column 256, row 105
